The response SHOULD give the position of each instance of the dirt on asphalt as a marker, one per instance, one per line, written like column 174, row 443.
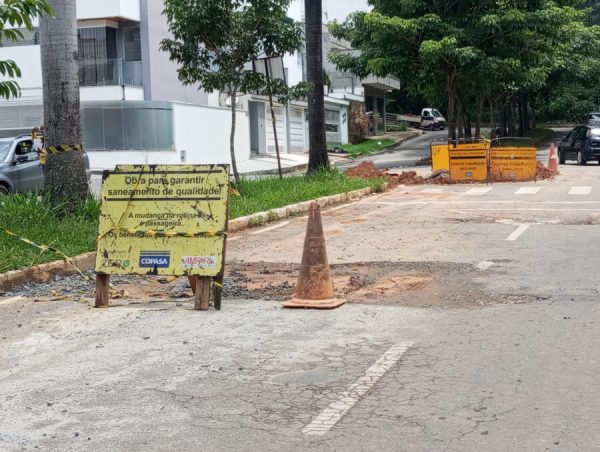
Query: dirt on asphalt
column 415, row 284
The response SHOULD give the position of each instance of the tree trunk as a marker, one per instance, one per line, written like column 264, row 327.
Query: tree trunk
column 273, row 120
column 317, row 158
column 468, row 132
column 451, row 107
column 236, row 175
column 526, row 119
column 520, row 116
column 533, row 116
column 460, row 118
column 480, row 102
column 65, row 175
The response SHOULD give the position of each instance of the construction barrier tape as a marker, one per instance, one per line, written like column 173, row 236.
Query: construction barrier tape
column 161, row 234
column 64, row 148
column 47, row 248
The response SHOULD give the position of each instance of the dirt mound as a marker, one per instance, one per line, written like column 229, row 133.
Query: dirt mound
column 366, row 170
column 542, row 172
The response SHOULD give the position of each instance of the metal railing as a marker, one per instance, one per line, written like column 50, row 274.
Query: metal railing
column 110, row 73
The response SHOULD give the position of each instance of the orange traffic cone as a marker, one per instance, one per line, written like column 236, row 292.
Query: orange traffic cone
column 552, row 160
column 314, row 289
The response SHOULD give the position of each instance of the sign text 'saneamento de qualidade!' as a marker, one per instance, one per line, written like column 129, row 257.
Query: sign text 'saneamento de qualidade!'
column 163, row 220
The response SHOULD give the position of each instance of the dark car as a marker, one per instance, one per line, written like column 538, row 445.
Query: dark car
column 20, row 171
column 581, row 144
column 593, row 119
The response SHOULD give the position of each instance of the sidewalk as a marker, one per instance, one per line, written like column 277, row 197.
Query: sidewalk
column 267, row 164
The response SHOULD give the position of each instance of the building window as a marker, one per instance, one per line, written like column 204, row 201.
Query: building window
column 133, row 47
column 97, row 56
column 30, row 38
column 332, row 121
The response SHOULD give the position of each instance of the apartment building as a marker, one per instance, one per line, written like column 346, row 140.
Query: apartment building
column 344, row 85
column 135, row 110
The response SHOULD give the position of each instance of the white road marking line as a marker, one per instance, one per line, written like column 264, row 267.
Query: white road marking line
column 407, row 203
column 477, row 202
column 518, row 233
column 583, row 190
column 484, row 265
column 331, row 415
column 233, row 239
column 518, row 209
column 271, row 228
column 528, row 191
column 478, row 191
column 432, row 190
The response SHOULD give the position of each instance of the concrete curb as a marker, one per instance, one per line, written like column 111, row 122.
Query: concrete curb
column 46, row 272
column 262, row 218
column 86, row 262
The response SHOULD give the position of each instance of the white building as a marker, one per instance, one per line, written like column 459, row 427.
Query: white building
column 135, row 110
column 344, row 85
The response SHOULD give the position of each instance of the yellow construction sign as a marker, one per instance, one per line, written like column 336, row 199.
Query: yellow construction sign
column 163, row 220
column 440, row 160
column 468, row 164
column 513, row 163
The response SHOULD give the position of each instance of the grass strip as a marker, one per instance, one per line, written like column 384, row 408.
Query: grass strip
column 367, row 147
column 37, row 219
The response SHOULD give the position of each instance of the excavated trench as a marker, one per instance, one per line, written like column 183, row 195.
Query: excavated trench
column 414, row 284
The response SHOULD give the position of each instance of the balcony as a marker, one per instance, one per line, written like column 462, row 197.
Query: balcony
column 382, row 83
column 114, row 72
column 109, row 9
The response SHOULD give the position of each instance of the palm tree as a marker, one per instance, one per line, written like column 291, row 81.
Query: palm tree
column 66, row 178
column 317, row 157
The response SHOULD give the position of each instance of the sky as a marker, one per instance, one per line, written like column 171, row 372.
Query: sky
column 335, row 9
column 339, row 9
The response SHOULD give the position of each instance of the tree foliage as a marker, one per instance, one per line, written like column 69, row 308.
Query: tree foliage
column 470, row 53
column 215, row 41
column 16, row 15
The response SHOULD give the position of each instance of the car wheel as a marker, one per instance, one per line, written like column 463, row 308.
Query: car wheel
column 561, row 158
column 581, row 158
column 4, row 190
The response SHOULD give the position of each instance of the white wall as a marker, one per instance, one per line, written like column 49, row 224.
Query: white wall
column 203, row 132
column 101, row 160
column 99, row 9
column 29, row 60
column 91, row 93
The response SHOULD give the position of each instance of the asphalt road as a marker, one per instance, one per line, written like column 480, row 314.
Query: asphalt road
column 410, row 152
column 498, row 352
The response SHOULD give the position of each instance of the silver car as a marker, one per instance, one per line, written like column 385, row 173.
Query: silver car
column 20, row 170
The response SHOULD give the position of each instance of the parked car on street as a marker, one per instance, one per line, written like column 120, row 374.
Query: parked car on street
column 581, row 144
column 20, row 171
column 593, row 119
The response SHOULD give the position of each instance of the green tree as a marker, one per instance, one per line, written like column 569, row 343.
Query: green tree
column 16, row 15
column 463, row 51
column 215, row 41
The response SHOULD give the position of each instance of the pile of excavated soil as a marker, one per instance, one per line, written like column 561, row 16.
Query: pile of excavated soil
column 365, row 170
column 543, row 172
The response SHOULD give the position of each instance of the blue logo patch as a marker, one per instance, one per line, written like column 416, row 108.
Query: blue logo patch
column 155, row 259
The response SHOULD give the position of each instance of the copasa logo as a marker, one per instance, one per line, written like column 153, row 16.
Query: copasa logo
column 155, row 259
